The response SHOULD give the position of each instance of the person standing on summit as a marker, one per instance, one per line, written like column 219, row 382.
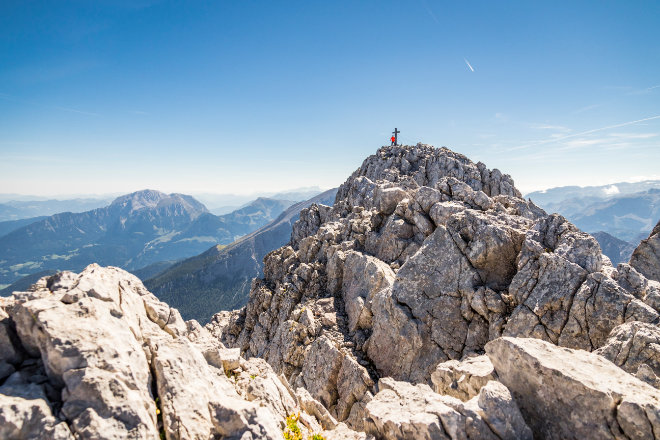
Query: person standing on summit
column 395, row 137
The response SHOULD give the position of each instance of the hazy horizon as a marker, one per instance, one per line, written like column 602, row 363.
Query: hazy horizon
column 256, row 194
column 234, row 98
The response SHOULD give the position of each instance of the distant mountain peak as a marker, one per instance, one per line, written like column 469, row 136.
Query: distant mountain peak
column 153, row 199
column 146, row 198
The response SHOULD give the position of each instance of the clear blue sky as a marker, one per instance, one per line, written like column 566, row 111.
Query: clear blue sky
column 105, row 96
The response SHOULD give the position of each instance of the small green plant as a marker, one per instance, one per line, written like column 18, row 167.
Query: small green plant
column 317, row 437
column 252, row 376
column 159, row 420
column 292, row 431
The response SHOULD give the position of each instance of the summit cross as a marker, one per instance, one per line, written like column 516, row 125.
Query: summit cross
column 396, row 137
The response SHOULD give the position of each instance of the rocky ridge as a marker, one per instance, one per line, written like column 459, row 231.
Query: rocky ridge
column 95, row 355
column 428, row 271
column 423, row 259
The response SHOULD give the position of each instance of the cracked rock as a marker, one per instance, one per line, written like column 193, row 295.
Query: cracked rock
column 565, row 393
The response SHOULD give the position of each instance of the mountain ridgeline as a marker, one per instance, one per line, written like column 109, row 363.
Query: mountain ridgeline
column 628, row 211
column 220, row 278
column 430, row 301
column 134, row 231
column 29, row 209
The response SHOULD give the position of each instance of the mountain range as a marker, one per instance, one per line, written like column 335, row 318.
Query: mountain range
column 625, row 211
column 220, row 278
column 430, row 301
column 618, row 251
column 560, row 194
column 132, row 232
column 24, row 209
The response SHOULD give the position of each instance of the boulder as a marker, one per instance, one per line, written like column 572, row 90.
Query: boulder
column 401, row 410
column 98, row 356
column 565, row 393
column 463, row 379
column 634, row 346
column 26, row 414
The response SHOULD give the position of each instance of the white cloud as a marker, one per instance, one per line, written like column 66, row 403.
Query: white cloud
column 635, row 179
column 584, row 133
column 550, row 127
column 579, row 143
column 634, row 135
column 611, row 190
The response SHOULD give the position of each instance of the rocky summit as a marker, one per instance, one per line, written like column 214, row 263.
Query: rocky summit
column 429, row 302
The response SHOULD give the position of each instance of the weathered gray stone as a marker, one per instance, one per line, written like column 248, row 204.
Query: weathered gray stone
column 463, row 379
column 89, row 345
column 496, row 405
column 401, row 411
column 646, row 258
column 565, row 393
column 117, row 354
column 227, row 359
column 315, row 408
column 633, row 345
column 26, row 414
column 320, row 371
column 424, row 258
column 363, row 277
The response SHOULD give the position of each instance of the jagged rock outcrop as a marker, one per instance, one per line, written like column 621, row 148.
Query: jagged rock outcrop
column 635, row 347
column 427, row 269
column 566, row 393
column 95, row 355
column 424, row 258
column 463, row 379
column 646, row 258
column 401, row 410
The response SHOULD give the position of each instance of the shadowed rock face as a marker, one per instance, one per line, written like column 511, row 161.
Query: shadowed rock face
column 427, row 268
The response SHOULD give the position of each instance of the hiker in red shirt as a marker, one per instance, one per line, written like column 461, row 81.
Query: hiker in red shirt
column 393, row 139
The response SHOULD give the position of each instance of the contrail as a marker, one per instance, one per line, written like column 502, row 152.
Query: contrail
column 583, row 133
column 468, row 64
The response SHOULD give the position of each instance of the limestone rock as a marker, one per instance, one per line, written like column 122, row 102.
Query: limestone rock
column 363, row 277
column 227, row 359
column 315, row 408
column 633, row 345
column 10, row 354
column 563, row 295
column 343, row 432
column 646, row 258
column 564, row 393
column 426, row 165
column 401, row 411
column 196, row 400
column 26, row 414
column 103, row 357
column 86, row 338
column 424, row 258
column 256, row 381
column 449, row 291
column 463, row 379
column 500, row 412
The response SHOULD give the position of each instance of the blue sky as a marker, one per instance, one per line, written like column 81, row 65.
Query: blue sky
column 233, row 97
